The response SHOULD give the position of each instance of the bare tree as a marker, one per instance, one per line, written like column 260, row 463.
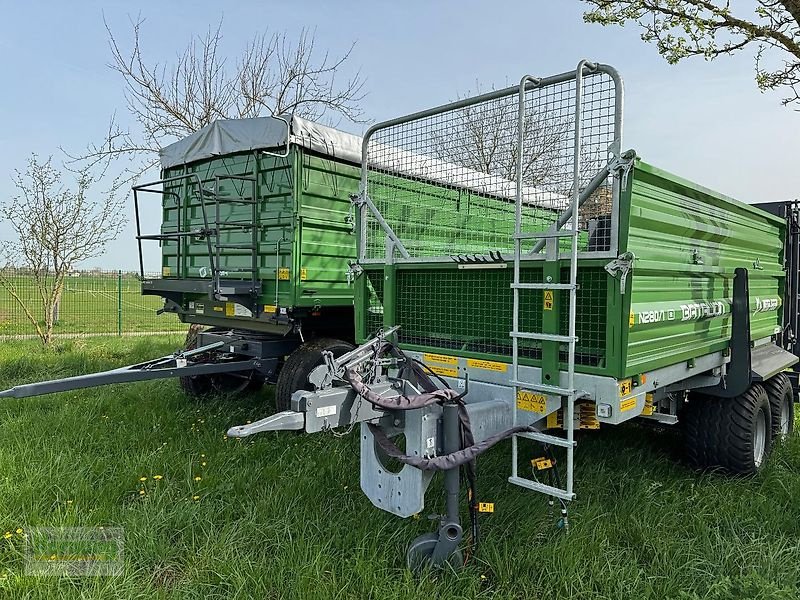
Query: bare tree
column 706, row 28
column 484, row 137
column 274, row 75
column 56, row 227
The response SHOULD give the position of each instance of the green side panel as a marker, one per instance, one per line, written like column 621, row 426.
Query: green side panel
column 687, row 241
column 275, row 215
column 468, row 312
column 305, row 238
column 326, row 240
column 433, row 220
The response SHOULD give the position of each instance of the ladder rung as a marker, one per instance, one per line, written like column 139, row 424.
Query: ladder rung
column 550, row 390
column 548, row 439
column 239, row 270
column 544, row 337
column 540, row 487
column 534, row 235
column 544, row 286
column 236, row 246
column 172, row 236
column 239, row 199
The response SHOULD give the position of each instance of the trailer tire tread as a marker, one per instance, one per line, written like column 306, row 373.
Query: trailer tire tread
column 298, row 365
column 720, row 432
column 777, row 388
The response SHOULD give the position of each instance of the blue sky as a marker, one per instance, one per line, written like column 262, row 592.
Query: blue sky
column 705, row 121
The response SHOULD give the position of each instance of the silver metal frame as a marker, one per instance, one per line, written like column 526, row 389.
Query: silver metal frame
column 530, row 83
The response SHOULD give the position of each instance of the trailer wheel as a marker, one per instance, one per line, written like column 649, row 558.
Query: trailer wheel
column 220, row 383
column 781, row 400
column 300, row 363
column 732, row 434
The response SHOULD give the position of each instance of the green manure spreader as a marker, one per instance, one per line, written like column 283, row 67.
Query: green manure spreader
column 497, row 268
column 520, row 275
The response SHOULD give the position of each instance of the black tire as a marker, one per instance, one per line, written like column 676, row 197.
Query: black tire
column 198, row 386
column 731, row 434
column 781, row 401
column 300, row 363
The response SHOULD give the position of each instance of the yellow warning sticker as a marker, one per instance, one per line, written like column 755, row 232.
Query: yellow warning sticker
column 303, row 274
column 439, row 358
column 165, row 271
column 531, row 402
column 625, row 387
column 283, row 274
column 230, row 309
column 548, row 300
column 628, row 404
column 444, row 371
column 648, row 409
column 631, row 320
column 540, row 464
column 270, row 309
column 487, row 507
column 218, row 309
column 487, row 365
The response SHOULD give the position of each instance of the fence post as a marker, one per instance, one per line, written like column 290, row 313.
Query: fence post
column 119, row 303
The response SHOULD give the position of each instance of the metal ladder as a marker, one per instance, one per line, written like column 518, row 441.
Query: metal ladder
column 549, row 239
column 220, row 226
column 210, row 230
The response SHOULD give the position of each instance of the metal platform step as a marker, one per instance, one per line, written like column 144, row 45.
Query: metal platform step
column 541, row 487
column 546, row 337
column 548, row 439
column 543, row 286
column 234, row 246
column 550, row 390
column 536, row 235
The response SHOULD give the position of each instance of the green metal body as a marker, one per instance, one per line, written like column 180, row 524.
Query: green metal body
column 675, row 305
column 305, row 237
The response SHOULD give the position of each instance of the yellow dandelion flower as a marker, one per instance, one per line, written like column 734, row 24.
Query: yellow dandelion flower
column 7, row 535
column 19, row 530
column 158, row 477
column 197, row 478
column 195, row 497
column 203, row 464
column 142, row 478
column 202, row 456
column 69, row 501
column 141, row 492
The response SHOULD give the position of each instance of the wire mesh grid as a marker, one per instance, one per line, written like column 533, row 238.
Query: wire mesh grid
column 470, row 310
column 446, row 183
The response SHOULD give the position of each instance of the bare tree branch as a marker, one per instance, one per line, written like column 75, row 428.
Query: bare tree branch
column 56, row 227
column 274, row 75
column 685, row 28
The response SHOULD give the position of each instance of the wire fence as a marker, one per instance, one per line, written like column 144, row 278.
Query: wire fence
column 93, row 303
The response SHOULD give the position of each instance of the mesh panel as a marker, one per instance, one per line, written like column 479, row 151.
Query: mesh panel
column 446, row 184
column 471, row 310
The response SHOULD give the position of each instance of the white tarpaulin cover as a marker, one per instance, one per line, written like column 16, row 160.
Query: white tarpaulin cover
column 229, row 136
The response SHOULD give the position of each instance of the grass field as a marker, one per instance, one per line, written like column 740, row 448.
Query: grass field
column 281, row 515
column 90, row 304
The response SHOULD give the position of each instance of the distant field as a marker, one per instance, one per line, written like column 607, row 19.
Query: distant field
column 281, row 516
column 90, row 305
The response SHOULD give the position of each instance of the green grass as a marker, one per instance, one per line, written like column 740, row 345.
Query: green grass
column 90, row 304
column 282, row 515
